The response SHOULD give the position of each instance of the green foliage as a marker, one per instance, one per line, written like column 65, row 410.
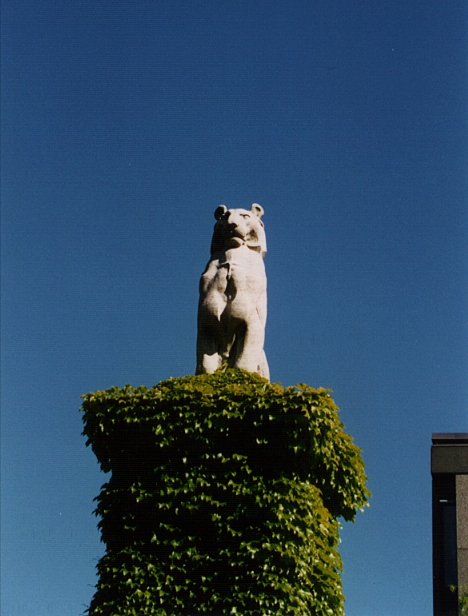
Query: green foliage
column 224, row 497
column 462, row 599
column 463, row 603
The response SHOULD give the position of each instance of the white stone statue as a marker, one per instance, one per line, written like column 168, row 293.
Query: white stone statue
column 233, row 305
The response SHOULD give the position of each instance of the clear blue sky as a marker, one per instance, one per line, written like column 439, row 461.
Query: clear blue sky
column 124, row 125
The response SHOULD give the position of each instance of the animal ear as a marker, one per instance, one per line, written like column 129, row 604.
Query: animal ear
column 257, row 210
column 220, row 211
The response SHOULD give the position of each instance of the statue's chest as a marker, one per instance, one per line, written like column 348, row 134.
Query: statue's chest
column 242, row 273
column 242, row 263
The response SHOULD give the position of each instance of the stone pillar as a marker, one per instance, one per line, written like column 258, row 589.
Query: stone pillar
column 224, row 497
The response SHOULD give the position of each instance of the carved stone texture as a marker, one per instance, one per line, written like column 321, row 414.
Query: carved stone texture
column 233, row 306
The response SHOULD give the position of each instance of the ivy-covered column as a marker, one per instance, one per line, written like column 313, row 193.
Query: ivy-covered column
column 224, row 497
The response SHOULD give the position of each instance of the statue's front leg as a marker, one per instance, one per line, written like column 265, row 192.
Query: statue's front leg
column 251, row 356
column 208, row 353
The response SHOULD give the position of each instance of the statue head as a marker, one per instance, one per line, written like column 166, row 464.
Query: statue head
column 239, row 227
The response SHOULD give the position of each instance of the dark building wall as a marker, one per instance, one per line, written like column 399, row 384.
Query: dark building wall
column 449, row 467
column 462, row 529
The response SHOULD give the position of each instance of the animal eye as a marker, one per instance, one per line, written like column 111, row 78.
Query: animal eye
column 245, row 215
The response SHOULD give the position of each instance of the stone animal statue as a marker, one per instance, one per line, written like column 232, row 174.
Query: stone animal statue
column 233, row 305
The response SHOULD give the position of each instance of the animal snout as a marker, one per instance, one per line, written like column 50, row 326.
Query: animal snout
column 231, row 227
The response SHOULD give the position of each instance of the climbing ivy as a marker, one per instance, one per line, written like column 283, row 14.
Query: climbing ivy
column 224, row 497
